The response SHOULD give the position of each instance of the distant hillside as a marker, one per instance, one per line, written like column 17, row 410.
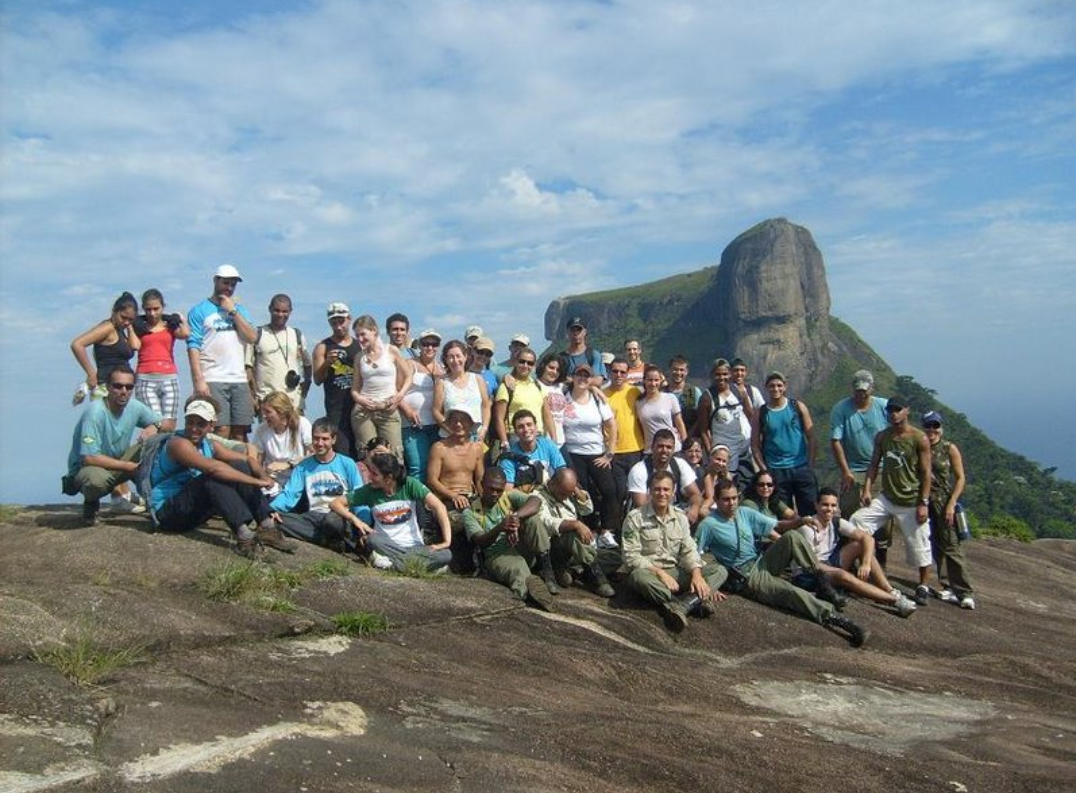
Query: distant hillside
column 768, row 303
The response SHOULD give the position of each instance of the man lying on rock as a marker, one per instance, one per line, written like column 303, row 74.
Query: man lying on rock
column 730, row 534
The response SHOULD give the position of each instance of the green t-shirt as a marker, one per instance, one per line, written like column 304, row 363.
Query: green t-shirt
column 477, row 520
column 900, row 467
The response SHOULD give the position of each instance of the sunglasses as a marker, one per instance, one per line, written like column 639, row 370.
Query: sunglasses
column 525, row 363
column 431, row 344
column 764, row 484
column 122, row 386
column 932, row 425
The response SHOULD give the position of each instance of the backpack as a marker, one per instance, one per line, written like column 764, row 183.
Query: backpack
column 762, row 411
column 529, row 473
column 674, row 469
column 151, row 449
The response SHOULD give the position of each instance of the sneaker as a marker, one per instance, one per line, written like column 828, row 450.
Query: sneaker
column 947, row 595
column 922, row 595
column 80, row 395
column 967, row 602
column 607, row 540
column 904, row 606
column 269, row 535
column 89, row 511
column 380, row 562
column 122, row 506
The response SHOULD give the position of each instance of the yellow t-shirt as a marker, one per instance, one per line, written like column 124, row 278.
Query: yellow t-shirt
column 527, row 395
column 629, row 433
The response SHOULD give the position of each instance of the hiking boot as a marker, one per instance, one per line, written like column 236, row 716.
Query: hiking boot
column 90, row 508
column 674, row 614
column 247, row 547
column 597, row 579
column 922, row 595
column 564, row 579
column 947, row 595
column 826, row 592
column 904, row 606
column 269, row 535
column 538, row 593
column 856, row 635
column 545, row 570
column 707, row 608
column 967, row 602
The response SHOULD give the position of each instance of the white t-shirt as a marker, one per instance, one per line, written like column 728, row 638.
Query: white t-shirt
column 638, row 475
column 275, row 448
column 583, row 426
column 658, row 415
column 824, row 542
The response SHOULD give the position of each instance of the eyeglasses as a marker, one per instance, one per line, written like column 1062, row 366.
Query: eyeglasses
column 122, row 386
column 431, row 344
column 932, row 425
column 764, row 484
column 483, row 353
column 525, row 363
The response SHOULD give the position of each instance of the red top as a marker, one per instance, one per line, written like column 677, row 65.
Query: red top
column 156, row 357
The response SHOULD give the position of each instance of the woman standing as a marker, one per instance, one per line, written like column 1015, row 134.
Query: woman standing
column 112, row 342
column 393, row 499
column 520, row 391
column 382, row 379
column 460, row 389
column 658, row 409
column 157, row 379
column 420, row 427
column 282, row 439
column 946, row 486
column 551, row 377
column 589, row 440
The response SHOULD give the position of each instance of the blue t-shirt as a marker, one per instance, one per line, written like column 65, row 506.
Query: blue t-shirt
column 732, row 542
column 784, row 443
column 546, row 452
column 856, row 430
column 169, row 477
column 100, row 431
column 594, row 359
column 322, row 483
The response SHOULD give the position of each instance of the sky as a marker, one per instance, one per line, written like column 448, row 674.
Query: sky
column 471, row 161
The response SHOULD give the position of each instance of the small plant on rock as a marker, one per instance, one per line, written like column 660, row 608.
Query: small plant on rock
column 360, row 623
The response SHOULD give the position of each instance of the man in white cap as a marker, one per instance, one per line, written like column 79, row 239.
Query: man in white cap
column 219, row 328
column 334, row 370
column 192, row 478
column 519, row 341
column 472, row 334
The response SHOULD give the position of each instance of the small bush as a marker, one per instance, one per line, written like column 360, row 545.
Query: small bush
column 415, row 566
column 328, row 568
column 84, row 662
column 360, row 623
column 1008, row 527
column 254, row 583
column 8, row 512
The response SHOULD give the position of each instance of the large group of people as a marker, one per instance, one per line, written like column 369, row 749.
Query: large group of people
column 535, row 471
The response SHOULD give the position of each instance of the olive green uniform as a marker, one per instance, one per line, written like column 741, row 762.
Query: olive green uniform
column 504, row 562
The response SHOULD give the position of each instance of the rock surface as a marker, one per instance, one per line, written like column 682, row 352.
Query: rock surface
column 469, row 690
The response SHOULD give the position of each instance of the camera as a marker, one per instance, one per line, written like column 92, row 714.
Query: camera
column 172, row 321
column 291, row 380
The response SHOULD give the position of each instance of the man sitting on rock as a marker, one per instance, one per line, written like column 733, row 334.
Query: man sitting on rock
column 531, row 458
column 498, row 523
column 193, row 478
column 572, row 546
column 730, row 534
column 321, row 477
column 664, row 566
column 686, row 493
column 453, row 473
column 839, row 547
column 102, row 455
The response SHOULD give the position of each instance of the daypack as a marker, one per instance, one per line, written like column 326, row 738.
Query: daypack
column 529, row 473
column 151, row 448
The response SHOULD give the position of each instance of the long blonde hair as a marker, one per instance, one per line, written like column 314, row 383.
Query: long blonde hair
column 281, row 403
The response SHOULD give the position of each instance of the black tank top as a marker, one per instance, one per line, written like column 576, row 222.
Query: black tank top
column 337, row 383
column 109, row 356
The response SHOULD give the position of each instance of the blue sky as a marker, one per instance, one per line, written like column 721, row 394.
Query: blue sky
column 473, row 160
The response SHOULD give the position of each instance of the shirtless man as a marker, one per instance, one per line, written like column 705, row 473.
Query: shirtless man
column 454, row 474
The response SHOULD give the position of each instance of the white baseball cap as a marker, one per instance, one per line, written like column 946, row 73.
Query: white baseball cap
column 228, row 271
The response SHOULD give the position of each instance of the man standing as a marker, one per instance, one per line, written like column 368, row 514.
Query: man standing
column 854, row 423
column 519, row 342
column 321, row 477
column 220, row 326
column 730, row 534
column 633, row 354
column 563, row 503
column 334, row 369
column 902, row 454
column 782, row 442
column 579, row 351
column 102, row 455
column 664, row 566
column 685, row 484
column 629, row 433
column 398, row 328
column 277, row 356
column 498, row 522
column 689, row 395
column 481, row 354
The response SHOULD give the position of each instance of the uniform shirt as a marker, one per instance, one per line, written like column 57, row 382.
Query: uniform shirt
column 322, row 482
column 100, row 431
column 732, row 540
column 552, row 512
column 214, row 335
column 477, row 520
column 856, row 429
column 650, row 540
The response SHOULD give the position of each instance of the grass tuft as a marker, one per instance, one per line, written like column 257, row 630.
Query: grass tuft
column 8, row 512
column 415, row 566
column 360, row 623
column 254, row 583
column 84, row 662
column 328, row 568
